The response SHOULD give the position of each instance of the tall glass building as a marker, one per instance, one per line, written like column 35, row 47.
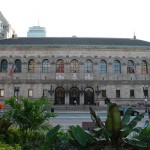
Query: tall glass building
column 36, row 31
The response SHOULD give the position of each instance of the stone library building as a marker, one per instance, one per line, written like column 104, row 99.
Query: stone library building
column 75, row 70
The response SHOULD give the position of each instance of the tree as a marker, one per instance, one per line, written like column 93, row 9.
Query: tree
column 29, row 115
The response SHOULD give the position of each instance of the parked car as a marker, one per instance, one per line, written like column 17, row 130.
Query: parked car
column 133, row 113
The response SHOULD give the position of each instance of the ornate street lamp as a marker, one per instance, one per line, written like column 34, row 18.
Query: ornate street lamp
column 145, row 92
column 67, row 90
column 51, row 91
column 16, row 91
column 81, row 90
column 97, row 91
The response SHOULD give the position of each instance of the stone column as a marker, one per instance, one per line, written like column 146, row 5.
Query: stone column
column 124, row 71
column 81, row 98
column 67, row 98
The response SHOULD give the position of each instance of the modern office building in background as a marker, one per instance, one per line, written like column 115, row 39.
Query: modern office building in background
column 36, row 31
column 6, row 31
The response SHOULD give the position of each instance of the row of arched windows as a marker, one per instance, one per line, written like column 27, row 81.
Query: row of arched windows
column 74, row 66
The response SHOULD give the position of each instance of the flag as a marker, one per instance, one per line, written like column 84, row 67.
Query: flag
column 12, row 70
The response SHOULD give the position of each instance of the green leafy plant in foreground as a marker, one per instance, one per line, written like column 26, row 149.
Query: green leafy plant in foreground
column 116, row 129
column 30, row 116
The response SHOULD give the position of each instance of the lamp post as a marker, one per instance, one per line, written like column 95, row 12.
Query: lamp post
column 145, row 92
column 51, row 91
column 67, row 90
column 16, row 91
column 97, row 91
column 82, row 90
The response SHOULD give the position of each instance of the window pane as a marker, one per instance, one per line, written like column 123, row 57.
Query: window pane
column 102, row 66
column 131, row 93
column 18, row 65
column 74, row 66
column 46, row 66
column 4, row 65
column 144, row 67
column 130, row 67
column 60, row 66
column 88, row 67
column 1, row 93
column 117, row 93
column 30, row 93
column 103, row 93
column 31, row 66
column 116, row 66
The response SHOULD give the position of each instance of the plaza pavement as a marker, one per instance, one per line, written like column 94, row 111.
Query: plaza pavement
column 65, row 121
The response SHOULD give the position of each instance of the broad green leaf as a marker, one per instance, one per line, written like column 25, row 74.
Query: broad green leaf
column 136, row 142
column 113, row 121
column 105, row 133
column 80, row 135
column 135, row 120
column 126, row 116
column 53, row 133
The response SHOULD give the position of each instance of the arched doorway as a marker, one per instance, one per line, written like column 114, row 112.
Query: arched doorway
column 74, row 96
column 89, row 96
column 59, row 96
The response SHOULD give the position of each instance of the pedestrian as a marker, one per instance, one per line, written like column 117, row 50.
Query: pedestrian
column 146, row 123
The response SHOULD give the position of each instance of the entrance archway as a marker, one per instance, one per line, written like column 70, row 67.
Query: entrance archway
column 59, row 96
column 74, row 96
column 89, row 96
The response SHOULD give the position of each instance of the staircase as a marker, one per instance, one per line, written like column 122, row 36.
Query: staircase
column 77, row 108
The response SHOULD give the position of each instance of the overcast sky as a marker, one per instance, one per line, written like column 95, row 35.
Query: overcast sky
column 83, row 18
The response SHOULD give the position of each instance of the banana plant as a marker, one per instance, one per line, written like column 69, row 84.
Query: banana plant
column 141, row 140
column 115, row 129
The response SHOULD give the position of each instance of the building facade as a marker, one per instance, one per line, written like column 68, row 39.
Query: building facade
column 74, row 70
column 36, row 31
column 6, row 31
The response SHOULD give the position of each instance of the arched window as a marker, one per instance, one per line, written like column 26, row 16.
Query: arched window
column 130, row 67
column 74, row 68
column 144, row 68
column 102, row 66
column 60, row 95
column 46, row 66
column 89, row 96
column 116, row 66
column 88, row 66
column 4, row 65
column 18, row 66
column 60, row 66
column 31, row 66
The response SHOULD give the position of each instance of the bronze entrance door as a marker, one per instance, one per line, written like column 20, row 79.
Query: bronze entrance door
column 59, row 96
column 74, row 96
column 89, row 96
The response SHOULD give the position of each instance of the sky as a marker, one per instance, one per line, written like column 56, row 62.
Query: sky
column 81, row 18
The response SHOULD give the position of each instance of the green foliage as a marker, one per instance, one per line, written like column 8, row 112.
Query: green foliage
column 115, row 130
column 79, row 134
column 30, row 116
column 8, row 134
column 145, row 134
column 53, row 133
column 142, row 139
column 4, row 146
column 4, row 125
column 80, row 138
